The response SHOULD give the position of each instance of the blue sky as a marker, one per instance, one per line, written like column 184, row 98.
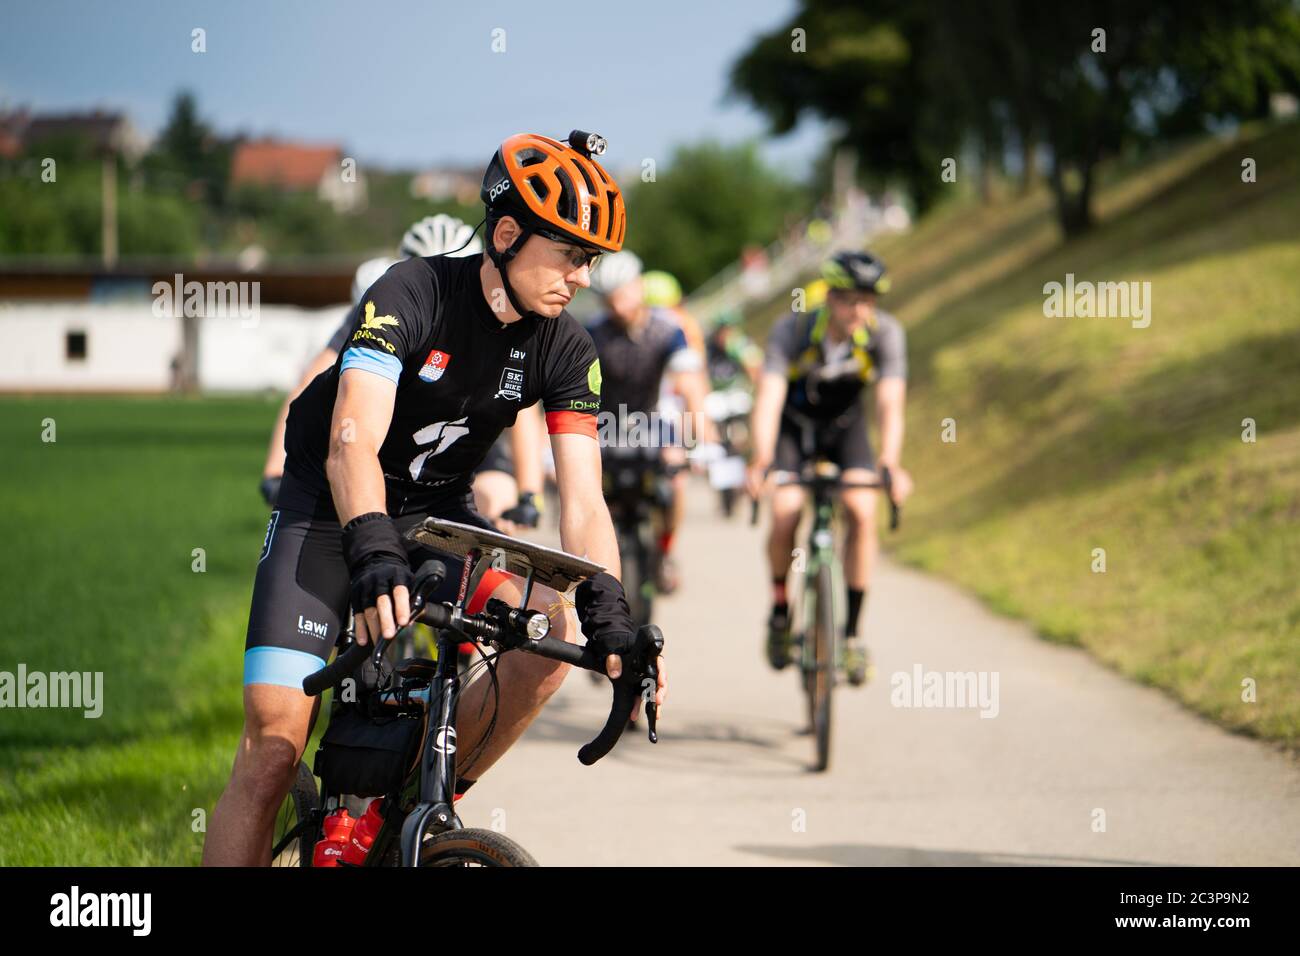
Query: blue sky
column 400, row 82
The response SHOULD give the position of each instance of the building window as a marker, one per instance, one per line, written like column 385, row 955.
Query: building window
column 75, row 347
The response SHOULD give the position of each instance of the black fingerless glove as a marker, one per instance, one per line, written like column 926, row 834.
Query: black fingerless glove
column 376, row 559
column 604, row 615
column 270, row 489
column 526, row 513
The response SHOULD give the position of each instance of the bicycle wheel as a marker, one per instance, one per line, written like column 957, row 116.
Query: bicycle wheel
column 823, row 676
column 473, row 847
column 301, row 806
column 728, row 502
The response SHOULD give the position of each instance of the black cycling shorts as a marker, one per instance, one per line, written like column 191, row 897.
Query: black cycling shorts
column 843, row 441
column 301, row 593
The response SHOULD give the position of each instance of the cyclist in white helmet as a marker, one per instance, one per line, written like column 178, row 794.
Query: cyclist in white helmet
column 512, row 471
column 638, row 346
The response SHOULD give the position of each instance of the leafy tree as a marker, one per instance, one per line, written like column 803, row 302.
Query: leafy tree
column 188, row 158
column 911, row 81
column 711, row 201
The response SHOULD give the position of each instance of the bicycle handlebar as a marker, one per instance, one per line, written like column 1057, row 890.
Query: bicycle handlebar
column 885, row 483
column 506, row 625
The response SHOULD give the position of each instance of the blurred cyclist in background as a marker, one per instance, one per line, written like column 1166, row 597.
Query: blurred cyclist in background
column 661, row 290
column 810, row 405
column 733, row 358
column 507, row 485
column 638, row 344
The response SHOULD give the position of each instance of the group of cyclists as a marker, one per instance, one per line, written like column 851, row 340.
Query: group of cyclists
column 431, row 399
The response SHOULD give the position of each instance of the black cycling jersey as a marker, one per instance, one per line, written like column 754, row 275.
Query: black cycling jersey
column 462, row 375
column 634, row 363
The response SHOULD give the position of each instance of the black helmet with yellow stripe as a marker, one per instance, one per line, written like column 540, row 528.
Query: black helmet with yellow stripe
column 855, row 270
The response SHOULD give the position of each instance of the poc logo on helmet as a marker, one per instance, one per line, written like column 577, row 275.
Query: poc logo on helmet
column 498, row 189
column 586, row 216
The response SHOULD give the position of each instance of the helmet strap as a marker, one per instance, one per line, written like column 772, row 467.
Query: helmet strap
column 502, row 259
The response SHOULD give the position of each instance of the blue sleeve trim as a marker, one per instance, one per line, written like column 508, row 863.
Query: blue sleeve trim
column 279, row 665
column 372, row 360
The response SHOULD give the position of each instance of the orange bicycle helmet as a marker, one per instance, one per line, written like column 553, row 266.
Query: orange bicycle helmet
column 557, row 188
column 553, row 189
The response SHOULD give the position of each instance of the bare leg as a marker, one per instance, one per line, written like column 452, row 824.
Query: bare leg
column 787, row 509
column 527, row 682
column 277, row 723
column 494, row 492
column 862, row 540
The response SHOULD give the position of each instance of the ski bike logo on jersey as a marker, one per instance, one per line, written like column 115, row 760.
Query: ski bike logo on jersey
column 512, row 384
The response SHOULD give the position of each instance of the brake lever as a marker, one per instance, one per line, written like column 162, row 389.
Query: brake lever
column 648, row 693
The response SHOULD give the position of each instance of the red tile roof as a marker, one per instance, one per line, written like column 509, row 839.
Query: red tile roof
column 285, row 164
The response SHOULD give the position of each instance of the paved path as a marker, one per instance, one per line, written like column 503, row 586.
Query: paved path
column 728, row 782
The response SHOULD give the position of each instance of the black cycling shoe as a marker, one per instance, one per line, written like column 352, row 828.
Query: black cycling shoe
column 778, row 639
column 856, row 661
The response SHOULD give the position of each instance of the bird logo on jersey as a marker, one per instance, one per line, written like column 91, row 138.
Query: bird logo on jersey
column 377, row 322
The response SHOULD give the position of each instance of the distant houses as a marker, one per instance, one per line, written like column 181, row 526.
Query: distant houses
column 296, row 166
column 109, row 132
column 441, row 184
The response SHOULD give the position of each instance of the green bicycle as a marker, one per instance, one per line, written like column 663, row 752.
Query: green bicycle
column 817, row 645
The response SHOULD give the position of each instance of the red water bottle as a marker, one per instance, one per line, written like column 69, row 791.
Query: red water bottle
column 338, row 827
column 364, row 833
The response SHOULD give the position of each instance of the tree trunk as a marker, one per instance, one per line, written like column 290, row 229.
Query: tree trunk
column 1028, row 162
column 1073, row 199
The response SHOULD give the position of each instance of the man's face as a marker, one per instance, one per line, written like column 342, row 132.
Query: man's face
column 625, row 302
column 850, row 309
column 546, row 273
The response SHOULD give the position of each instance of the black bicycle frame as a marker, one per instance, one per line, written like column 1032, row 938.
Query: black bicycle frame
column 432, row 790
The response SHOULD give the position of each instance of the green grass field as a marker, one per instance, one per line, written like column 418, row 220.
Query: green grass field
column 100, row 528
column 1081, row 433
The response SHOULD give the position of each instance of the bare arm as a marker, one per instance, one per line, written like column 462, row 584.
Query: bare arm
column 693, row 387
column 585, row 525
column 766, row 416
column 891, row 397
column 363, row 410
column 526, row 450
column 362, row 413
column 764, row 422
column 274, row 466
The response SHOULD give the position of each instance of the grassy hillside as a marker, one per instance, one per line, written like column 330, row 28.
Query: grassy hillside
column 1082, row 433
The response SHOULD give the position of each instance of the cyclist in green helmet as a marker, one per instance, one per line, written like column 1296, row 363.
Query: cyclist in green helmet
column 810, row 405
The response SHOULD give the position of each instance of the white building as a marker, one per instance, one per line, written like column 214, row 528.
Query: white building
column 123, row 347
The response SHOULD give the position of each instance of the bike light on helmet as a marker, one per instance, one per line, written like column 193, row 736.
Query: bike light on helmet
column 593, row 144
